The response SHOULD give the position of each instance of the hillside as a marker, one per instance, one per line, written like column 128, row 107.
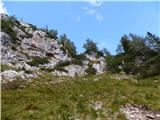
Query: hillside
column 43, row 77
column 27, row 50
column 98, row 97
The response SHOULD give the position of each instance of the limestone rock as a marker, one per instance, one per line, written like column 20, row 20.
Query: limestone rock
column 135, row 112
column 11, row 74
column 97, row 105
column 23, row 65
column 74, row 70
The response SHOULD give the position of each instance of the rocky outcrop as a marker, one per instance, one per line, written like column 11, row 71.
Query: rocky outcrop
column 23, row 43
column 98, row 63
column 74, row 70
column 135, row 112
column 12, row 75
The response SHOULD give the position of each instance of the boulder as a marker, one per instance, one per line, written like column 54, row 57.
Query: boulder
column 74, row 70
column 5, row 39
column 138, row 112
column 23, row 65
column 11, row 75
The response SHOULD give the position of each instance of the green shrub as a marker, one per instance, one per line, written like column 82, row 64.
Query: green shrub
column 60, row 66
column 5, row 67
column 33, row 27
column 79, row 59
column 13, row 48
column 46, row 69
column 60, row 69
column 90, row 70
column 50, row 33
column 23, row 29
column 36, row 61
column 113, row 63
column 68, row 45
column 6, row 26
column 65, row 63
column 77, row 62
column 151, row 67
column 63, row 49
column 90, row 46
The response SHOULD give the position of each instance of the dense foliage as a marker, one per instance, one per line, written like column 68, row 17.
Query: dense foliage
column 36, row 61
column 50, row 32
column 90, row 70
column 137, row 55
column 7, row 27
column 68, row 45
column 90, row 46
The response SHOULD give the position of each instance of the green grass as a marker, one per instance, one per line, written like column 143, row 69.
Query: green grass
column 36, row 61
column 4, row 67
column 46, row 98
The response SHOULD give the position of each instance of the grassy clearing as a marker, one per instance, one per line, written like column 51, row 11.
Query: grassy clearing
column 48, row 98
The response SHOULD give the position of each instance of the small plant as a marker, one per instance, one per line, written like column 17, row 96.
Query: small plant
column 79, row 59
column 90, row 70
column 15, row 84
column 50, row 33
column 13, row 48
column 6, row 26
column 29, row 35
column 33, row 27
column 60, row 66
column 65, row 63
column 5, row 67
column 46, row 69
column 36, row 61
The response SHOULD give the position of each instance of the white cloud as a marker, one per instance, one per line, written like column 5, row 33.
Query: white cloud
column 2, row 8
column 85, row 8
column 95, row 3
column 99, row 17
column 93, row 12
column 78, row 18
column 90, row 11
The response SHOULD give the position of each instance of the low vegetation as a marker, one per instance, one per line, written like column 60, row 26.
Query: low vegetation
column 68, row 98
column 137, row 55
column 36, row 61
column 4, row 67
column 68, row 45
column 60, row 66
column 7, row 27
column 65, row 98
column 90, row 70
column 49, row 32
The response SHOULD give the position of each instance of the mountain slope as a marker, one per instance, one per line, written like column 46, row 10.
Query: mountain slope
column 27, row 49
column 98, row 97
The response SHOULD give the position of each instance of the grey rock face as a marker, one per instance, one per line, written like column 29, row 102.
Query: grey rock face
column 74, row 70
column 23, row 65
column 3, row 16
column 97, row 105
column 5, row 39
column 35, row 43
column 12, row 75
column 135, row 112
column 98, row 63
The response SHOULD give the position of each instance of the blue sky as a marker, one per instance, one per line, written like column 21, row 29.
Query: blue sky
column 103, row 22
